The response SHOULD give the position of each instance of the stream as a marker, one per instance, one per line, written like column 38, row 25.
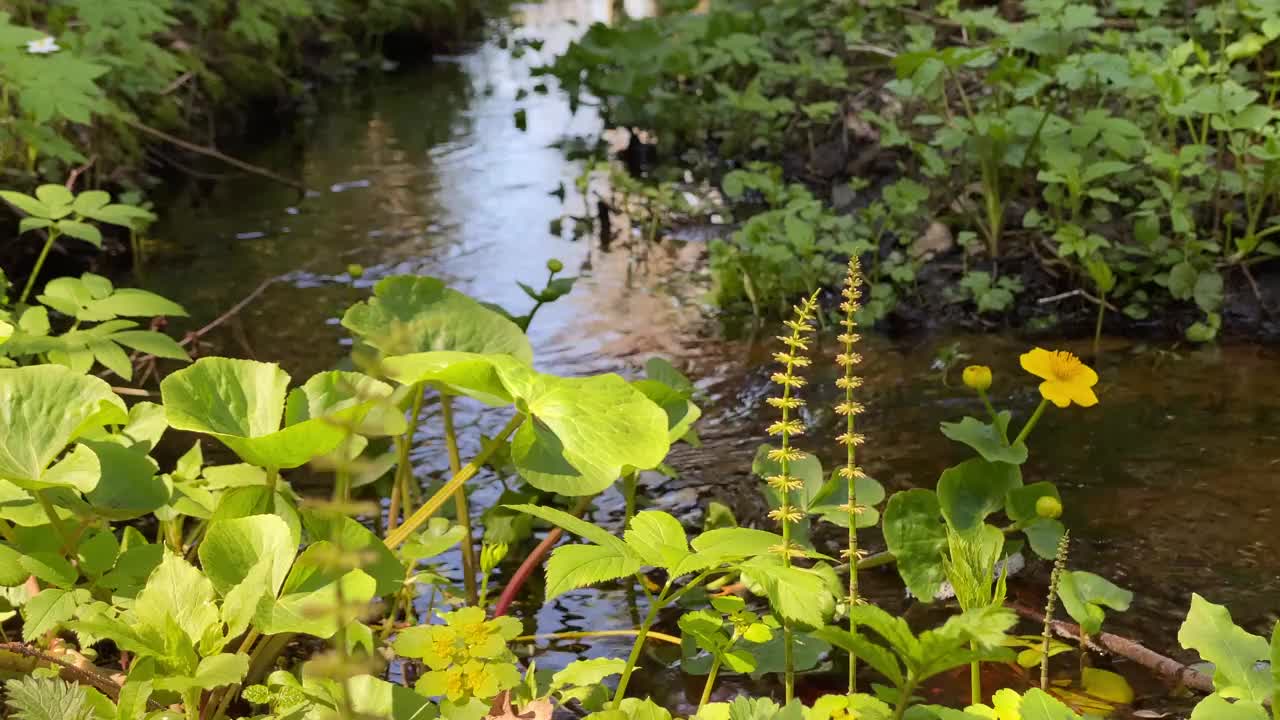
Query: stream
column 1170, row 484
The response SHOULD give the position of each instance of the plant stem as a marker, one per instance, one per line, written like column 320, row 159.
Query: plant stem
column 629, row 487
column 710, row 684
column 584, row 634
column 460, row 502
column 52, row 513
column 975, row 678
column 1031, row 423
column 404, row 443
column 654, row 608
column 398, row 535
column 35, row 271
column 904, row 697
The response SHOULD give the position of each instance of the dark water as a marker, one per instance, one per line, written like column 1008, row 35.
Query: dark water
column 1170, row 484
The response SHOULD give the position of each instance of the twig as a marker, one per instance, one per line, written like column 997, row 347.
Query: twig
column 1125, row 648
column 214, row 153
column 75, row 174
column 192, row 336
column 97, row 679
column 1077, row 293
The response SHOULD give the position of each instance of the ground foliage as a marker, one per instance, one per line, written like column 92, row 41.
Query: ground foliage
column 1125, row 151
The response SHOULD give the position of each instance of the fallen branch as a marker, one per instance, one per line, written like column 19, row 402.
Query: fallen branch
column 214, row 153
column 1164, row 666
column 192, row 336
column 68, row 670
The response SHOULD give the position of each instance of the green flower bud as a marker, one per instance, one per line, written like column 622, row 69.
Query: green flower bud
column 1048, row 506
column 555, row 265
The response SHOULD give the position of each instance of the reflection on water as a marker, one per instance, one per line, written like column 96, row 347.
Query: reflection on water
column 1169, row 485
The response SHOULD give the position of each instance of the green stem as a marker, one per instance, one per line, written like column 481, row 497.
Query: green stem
column 975, row 678
column 35, row 271
column 52, row 513
column 629, row 487
column 654, row 608
column 463, row 511
column 1031, row 423
column 398, row 535
column 904, row 697
column 710, row 684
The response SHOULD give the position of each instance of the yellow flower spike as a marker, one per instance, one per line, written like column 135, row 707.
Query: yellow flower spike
column 1066, row 379
column 977, row 377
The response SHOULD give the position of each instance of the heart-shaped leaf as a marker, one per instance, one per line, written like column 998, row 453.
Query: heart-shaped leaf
column 44, row 408
column 987, row 439
column 241, row 403
column 419, row 314
column 972, row 490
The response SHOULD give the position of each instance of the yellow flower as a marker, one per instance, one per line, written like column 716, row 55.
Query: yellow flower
column 977, row 377
column 1066, row 379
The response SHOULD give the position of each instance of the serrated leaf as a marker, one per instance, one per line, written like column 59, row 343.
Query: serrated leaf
column 658, row 538
column 574, row 566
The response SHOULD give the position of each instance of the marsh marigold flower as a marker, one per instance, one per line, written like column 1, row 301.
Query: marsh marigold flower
column 1066, row 379
column 977, row 377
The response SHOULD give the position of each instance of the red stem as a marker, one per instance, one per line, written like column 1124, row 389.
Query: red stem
column 535, row 559
column 526, row 569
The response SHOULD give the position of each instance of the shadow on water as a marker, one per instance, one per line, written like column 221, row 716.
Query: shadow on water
column 1170, row 485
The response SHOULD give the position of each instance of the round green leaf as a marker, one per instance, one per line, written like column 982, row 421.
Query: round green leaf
column 410, row 314
column 45, row 408
column 916, row 535
column 972, row 490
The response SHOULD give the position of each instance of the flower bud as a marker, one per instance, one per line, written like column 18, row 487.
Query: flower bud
column 977, row 377
column 1048, row 506
column 555, row 265
column 355, row 271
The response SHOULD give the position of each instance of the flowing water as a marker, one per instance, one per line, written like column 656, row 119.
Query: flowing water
column 1170, row 484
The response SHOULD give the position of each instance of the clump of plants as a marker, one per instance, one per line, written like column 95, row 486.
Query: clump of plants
column 1121, row 157
column 211, row 587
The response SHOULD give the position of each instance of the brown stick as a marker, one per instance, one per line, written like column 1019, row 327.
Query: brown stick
column 229, row 313
column 71, row 671
column 214, row 153
column 1164, row 666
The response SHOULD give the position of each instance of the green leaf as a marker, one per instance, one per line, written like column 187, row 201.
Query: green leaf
column 1084, row 594
column 129, row 486
column 132, row 302
column 351, row 537
column 795, row 593
column 80, row 231
column 231, row 549
column 45, row 408
column 241, row 402
column 308, row 602
column 212, row 672
column 587, row 672
column 1234, row 652
column 1040, row 705
column 727, row 544
column 419, row 314
column 27, row 204
column 97, row 553
column 11, row 573
column 972, row 490
column 577, row 526
column 33, row 698
column 878, row 657
column 50, row 567
column 1216, row 707
column 177, row 592
column 658, row 538
column 916, row 535
column 151, row 343
column 987, row 439
column 48, row 610
column 582, row 432
column 574, row 566
column 1020, row 504
column 457, row 373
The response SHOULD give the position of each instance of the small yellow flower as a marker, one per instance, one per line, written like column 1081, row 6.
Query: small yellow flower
column 977, row 377
column 1066, row 379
